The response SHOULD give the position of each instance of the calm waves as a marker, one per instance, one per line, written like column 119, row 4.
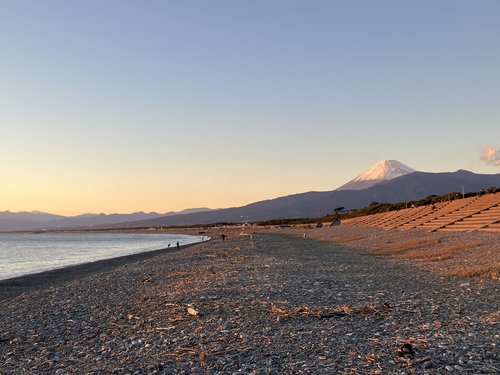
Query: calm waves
column 22, row 254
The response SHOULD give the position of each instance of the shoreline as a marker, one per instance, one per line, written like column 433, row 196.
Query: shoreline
column 15, row 286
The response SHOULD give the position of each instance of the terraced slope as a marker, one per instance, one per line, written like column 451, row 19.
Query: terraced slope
column 480, row 213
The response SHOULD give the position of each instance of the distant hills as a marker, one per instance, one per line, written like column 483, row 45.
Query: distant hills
column 39, row 220
column 25, row 220
column 388, row 181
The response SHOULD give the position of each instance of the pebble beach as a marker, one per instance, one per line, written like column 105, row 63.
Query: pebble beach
column 272, row 304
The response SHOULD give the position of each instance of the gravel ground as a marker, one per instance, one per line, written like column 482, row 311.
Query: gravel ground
column 273, row 305
column 444, row 253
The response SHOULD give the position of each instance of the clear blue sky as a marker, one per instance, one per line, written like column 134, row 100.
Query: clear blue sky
column 119, row 106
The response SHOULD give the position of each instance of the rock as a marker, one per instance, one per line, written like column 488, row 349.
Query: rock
column 428, row 364
column 406, row 351
column 424, row 359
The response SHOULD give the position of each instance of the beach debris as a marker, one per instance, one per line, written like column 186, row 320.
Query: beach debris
column 181, row 352
column 326, row 312
column 176, row 320
column 202, row 356
column 193, row 312
column 371, row 358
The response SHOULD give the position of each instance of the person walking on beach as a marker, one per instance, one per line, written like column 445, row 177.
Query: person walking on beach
column 178, row 246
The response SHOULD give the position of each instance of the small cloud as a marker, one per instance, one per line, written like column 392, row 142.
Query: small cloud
column 491, row 155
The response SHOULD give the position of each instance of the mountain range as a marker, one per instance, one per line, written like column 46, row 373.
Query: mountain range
column 40, row 220
column 387, row 181
column 409, row 187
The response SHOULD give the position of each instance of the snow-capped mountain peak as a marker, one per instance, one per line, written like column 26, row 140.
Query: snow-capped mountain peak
column 382, row 171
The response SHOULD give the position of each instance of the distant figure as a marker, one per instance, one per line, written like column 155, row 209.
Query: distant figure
column 304, row 235
column 178, row 246
column 223, row 237
column 168, row 245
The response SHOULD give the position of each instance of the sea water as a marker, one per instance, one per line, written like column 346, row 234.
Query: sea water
column 22, row 254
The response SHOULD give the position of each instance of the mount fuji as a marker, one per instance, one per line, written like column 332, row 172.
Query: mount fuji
column 384, row 170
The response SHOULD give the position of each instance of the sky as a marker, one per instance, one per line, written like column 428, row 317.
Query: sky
column 122, row 106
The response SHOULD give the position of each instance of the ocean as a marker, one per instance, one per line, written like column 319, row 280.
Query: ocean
column 22, row 254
